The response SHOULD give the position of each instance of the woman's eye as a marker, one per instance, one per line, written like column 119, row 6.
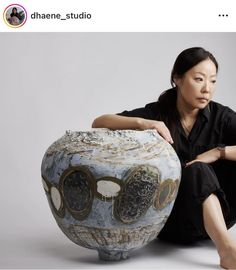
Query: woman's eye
column 214, row 81
column 198, row 79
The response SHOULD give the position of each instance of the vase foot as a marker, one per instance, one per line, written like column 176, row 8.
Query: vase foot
column 112, row 255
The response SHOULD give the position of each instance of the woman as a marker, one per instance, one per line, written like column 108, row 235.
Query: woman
column 14, row 17
column 14, row 13
column 203, row 134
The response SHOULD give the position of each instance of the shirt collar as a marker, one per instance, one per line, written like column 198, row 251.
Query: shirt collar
column 206, row 112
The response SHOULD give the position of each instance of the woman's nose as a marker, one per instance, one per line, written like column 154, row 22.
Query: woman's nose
column 206, row 88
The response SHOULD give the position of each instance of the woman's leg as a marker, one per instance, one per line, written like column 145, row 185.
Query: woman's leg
column 185, row 224
column 200, row 210
column 214, row 224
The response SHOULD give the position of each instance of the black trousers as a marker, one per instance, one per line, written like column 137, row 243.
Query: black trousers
column 199, row 180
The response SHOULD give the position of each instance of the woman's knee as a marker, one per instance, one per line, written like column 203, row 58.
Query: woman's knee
column 198, row 177
column 196, row 173
column 197, row 167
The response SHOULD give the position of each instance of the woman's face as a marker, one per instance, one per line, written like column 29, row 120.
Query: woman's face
column 196, row 87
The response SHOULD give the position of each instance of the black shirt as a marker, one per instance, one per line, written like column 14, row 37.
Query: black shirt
column 215, row 124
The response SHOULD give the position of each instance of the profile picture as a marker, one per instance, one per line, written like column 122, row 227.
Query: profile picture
column 15, row 15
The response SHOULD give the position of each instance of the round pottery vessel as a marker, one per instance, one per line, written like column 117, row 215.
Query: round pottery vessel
column 111, row 190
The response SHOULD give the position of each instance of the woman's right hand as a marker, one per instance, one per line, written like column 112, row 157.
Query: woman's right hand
column 159, row 126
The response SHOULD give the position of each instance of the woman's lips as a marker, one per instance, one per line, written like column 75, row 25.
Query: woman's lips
column 203, row 100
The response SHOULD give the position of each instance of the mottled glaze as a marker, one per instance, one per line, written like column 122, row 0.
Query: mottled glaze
column 111, row 190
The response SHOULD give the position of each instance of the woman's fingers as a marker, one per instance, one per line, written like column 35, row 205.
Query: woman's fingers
column 191, row 162
column 164, row 132
column 159, row 126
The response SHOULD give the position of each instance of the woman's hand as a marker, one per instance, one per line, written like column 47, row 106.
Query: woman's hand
column 206, row 157
column 159, row 126
column 113, row 121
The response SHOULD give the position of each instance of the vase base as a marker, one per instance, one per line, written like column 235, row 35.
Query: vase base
column 111, row 255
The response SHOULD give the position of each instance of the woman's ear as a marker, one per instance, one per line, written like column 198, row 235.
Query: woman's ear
column 177, row 80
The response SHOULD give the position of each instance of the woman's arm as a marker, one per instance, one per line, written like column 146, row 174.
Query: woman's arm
column 230, row 152
column 215, row 154
column 113, row 121
column 229, row 139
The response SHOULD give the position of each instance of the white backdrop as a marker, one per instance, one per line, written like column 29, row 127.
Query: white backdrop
column 51, row 82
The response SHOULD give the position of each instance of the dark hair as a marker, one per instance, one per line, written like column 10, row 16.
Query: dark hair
column 167, row 110
column 12, row 12
column 188, row 59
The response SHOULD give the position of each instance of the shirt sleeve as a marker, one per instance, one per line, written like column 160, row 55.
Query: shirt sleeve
column 147, row 112
column 230, row 128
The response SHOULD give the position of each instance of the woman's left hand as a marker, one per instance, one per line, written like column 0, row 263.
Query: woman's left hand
column 206, row 157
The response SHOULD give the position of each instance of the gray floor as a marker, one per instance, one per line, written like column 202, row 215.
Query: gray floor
column 35, row 241
column 52, row 250
column 30, row 237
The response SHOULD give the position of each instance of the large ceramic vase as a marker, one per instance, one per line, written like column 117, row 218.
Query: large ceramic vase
column 111, row 190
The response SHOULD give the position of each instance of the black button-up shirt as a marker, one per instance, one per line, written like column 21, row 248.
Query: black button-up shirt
column 215, row 124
